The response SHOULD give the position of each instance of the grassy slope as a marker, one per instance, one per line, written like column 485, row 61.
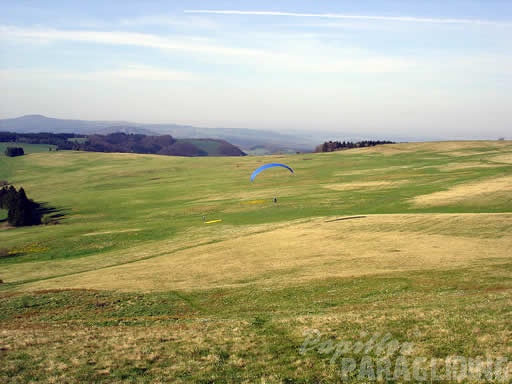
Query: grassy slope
column 440, row 281
column 141, row 198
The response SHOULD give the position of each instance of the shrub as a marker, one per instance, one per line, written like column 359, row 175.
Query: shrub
column 14, row 151
column 21, row 210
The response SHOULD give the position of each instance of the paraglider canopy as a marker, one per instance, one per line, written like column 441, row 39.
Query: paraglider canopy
column 271, row 165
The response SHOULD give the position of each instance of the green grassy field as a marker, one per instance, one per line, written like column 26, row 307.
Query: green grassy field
column 27, row 148
column 132, row 286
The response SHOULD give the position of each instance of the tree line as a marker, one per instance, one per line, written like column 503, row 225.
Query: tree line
column 122, row 142
column 158, row 145
column 331, row 146
column 21, row 210
column 127, row 143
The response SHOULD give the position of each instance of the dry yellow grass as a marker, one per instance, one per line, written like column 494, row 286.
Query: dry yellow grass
column 113, row 231
column 280, row 255
column 453, row 148
column 349, row 172
column 193, row 238
column 468, row 165
column 466, row 191
column 261, row 201
column 505, row 158
column 364, row 185
column 108, row 349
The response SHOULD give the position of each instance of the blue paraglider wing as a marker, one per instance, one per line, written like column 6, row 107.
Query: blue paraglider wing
column 271, row 165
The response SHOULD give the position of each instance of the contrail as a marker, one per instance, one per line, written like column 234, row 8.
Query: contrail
column 409, row 19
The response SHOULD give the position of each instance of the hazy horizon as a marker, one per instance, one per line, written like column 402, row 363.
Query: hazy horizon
column 375, row 67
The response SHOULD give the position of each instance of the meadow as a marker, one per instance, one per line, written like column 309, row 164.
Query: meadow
column 131, row 285
column 27, row 148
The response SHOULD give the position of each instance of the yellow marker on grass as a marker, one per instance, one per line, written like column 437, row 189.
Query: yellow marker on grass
column 213, row 221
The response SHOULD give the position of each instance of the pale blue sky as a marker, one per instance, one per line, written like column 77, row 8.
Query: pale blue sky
column 429, row 68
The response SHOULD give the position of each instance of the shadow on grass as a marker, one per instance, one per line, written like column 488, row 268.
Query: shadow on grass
column 345, row 218
column 51, row 215
column 7, row 254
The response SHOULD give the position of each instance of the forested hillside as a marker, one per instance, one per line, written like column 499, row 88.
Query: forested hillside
column 127, row 143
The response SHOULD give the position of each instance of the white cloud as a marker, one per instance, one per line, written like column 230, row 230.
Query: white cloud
column 283, row 56
column 46, row 35
column 195, row 22
column 309, row 54
column 408, row 19
column 331, row 64
column 126, row 72
column 143, row 72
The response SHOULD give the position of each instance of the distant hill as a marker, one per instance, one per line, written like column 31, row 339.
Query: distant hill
column 265, row 141
column 127, row 143
column 127, row 129
column 160, row 145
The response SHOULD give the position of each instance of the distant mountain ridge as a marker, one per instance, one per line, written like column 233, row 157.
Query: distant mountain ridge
column 245, row 138
column 40, row 123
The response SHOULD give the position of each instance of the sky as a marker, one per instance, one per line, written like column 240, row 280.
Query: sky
column 414, row 68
